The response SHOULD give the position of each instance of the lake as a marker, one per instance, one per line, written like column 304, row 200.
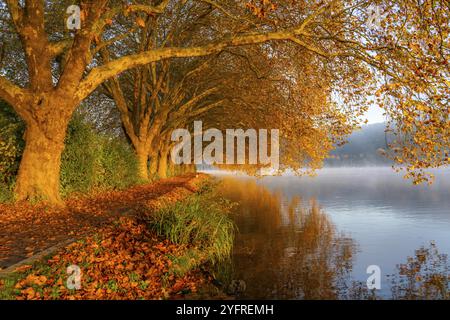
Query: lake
column 315, row 237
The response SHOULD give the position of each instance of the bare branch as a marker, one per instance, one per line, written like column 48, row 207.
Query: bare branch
column 111, row 13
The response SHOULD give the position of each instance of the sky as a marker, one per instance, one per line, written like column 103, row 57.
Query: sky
column 375, row 114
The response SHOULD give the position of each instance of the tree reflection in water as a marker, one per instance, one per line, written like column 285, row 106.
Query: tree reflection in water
column 424, row 276
column 285, row 249
column 289, row 249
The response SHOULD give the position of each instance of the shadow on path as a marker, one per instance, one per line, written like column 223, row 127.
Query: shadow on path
column 27, row 229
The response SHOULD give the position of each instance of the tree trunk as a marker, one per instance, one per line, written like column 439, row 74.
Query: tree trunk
column 39, row 172
column 171, row 169
column 153, row 170
column 162, row 166
column 192, row 168
column 142, row 157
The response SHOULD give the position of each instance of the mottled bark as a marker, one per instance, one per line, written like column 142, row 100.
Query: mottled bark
column 163, row 165
column 153, row 165
column 142, row 157
column 39, row 172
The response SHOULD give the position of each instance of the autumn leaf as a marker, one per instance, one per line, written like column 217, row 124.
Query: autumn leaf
column 23, row 268
column 140, row 22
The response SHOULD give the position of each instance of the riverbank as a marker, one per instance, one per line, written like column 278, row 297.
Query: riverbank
column 149, row 242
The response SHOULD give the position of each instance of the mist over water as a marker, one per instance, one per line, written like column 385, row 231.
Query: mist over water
column 372, row 214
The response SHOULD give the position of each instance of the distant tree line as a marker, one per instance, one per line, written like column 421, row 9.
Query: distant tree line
column 365, row 147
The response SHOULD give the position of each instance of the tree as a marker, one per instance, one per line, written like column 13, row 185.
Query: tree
column 48, row 101
column 184, row 90
column 62, row 69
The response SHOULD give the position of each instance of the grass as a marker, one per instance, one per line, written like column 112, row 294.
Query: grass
column 7, row 290
column 202, row 222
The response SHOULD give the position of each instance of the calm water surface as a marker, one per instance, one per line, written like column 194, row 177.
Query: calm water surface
column 312, row 237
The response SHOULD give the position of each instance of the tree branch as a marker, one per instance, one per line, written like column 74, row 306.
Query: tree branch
column 16, row 13
column 99, row 74
column 110, row 14
column 13, row 95
column 57, row 48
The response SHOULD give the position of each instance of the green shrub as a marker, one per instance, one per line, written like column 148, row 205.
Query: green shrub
column 81, row 158
column 89, row 161
column 6, row 192
column 11, row 148
column 11, row 144
column 118, row 164
column 94, row 161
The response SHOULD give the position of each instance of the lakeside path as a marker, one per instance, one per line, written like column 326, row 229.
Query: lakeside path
column 27, row 231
